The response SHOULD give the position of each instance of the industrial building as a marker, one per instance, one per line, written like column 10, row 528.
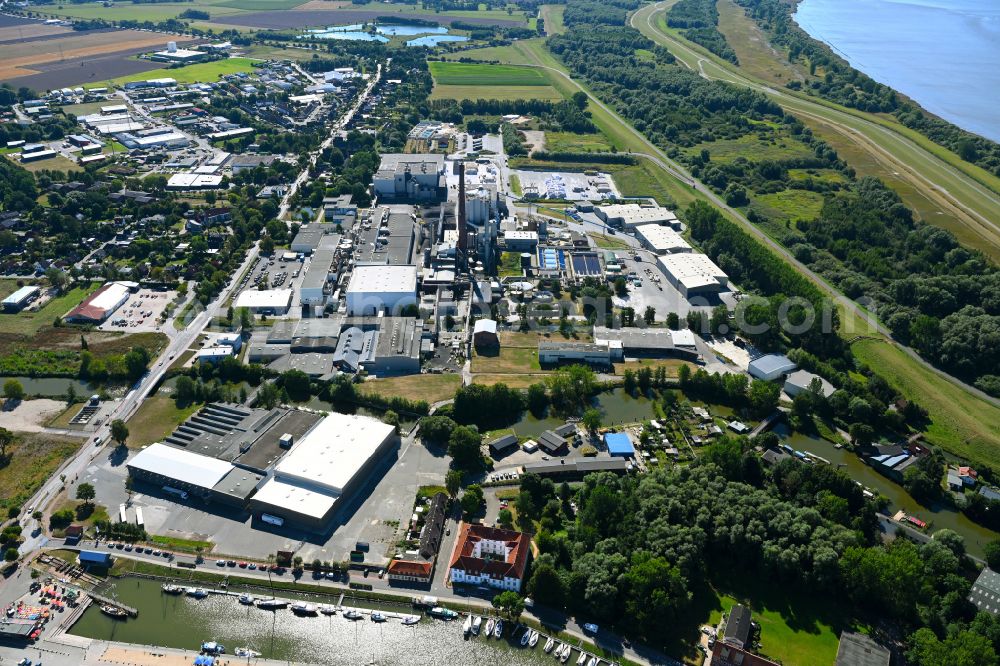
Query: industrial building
column 21, row 298
column 185, row 473
column 489, row 556
column 325, row 466
column 649, row 342
column 521, row 241
column 381, row 288
column 619, row 444
column 308, row 238
column 484, row 335
column 770, row 367
column 269, row 302
column 603, row 355
column 660, row 239
column 693, row 274
column 100, row 305
column 408, row 177
column 802, row 380
column 321, row 271
column 574, row 470
column 628, row 216
column 176, row 55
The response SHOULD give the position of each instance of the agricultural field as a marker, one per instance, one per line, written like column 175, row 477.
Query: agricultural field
column 204, row 71
column 557, row 142
column 453, row 80
column 27, row 57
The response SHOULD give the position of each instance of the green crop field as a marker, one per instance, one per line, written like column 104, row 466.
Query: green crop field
column 198, row 73
column 474, row 74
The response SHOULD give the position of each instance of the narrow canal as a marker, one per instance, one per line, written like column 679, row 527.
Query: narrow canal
column 183, row 622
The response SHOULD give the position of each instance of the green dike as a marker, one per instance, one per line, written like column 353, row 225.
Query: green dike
column 949, row 417
column 968, row 191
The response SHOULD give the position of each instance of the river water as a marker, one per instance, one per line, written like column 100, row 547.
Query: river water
column 945, row 54
column 182, row 622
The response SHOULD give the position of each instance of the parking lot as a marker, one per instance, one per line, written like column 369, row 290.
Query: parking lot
column 274, row 273
column 140, row 313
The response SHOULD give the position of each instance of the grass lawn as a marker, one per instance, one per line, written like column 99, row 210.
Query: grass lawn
column 793, row 204
column 521, row 381
column 960, row 422
column 186, row 545
column 202, row 72
column 531, row 340
column 556, row 142
column 609, row 242
column 29, row 323
column 33, row 459
column 98, row 513
column 62, row 420
column 57, row 163
column 157, row 418
column 796, row 628
column 474, row 74
column 508, row 359
column 431, row 388
column 672, row 365
column 503, row 92
column 552, row 15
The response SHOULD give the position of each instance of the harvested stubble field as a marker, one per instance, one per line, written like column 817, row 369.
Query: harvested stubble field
column 24, row 59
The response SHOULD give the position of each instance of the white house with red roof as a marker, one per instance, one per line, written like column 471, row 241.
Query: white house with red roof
column 489, row 556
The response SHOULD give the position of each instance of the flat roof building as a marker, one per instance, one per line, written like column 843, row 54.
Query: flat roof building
column 693, row 273
column 801, row 381
column 331, row 461
column 600, row 354
column 630, row 215
column 578, row 468
column 648, row 342
column 619, row 444
column 859, row 650
column 271, row 301
column 661, row 239
column 381, row 288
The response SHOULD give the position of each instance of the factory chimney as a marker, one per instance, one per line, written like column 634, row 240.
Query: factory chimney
column 460, row 222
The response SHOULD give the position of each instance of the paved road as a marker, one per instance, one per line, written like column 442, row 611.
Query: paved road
column 344, row 121
column 661, row 159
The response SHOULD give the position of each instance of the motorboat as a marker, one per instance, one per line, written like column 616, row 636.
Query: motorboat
column 303, row 608
column 170, row 588
column 559, row 650
column 567, row 651
column 498, row 630
column 490, row 624
column 467, row 625
column 211, row 647
column 353, row 615
column 246, row 652
column 549, row 644
column 592, row 662
column 114, row 611
column 443, row 613
column 533, row 641
column 411, row 620
column 477, row 623
column 378, row 616
column 246, row 599
column 196, row 592
column 583, row 658
column 327, row 609
column 271, row 604
column 525, row 637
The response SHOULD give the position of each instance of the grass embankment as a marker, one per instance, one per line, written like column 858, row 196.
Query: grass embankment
column 454, row 80
column 156, row 418
column 431, row 388
column 32, row 459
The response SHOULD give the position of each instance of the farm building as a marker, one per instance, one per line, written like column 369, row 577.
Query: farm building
column 100, row 305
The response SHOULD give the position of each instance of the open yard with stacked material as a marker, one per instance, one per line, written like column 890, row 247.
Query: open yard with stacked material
column 456, row 80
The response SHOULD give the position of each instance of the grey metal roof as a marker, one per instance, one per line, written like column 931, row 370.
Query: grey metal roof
column 860, row 650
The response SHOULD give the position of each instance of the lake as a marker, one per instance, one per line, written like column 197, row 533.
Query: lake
column 945, row 54
column 183, row 622
column 432, row 35
column 53, row 387
column 616, row 407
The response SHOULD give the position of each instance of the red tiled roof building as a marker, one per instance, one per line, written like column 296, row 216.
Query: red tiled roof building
column 489, row 556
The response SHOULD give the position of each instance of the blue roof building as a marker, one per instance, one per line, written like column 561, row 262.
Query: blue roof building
column 95, row 558
column 619, row 444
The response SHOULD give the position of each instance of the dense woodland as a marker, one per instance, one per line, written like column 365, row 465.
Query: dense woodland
column 837, row 81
